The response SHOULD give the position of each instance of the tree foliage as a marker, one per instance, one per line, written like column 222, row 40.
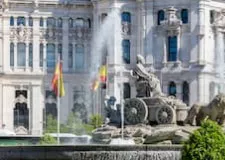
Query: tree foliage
column 51, row 125
column 74, row 124
column 47, row 139
column 206, row 143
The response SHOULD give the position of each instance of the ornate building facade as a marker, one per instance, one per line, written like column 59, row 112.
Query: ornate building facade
column 182, row 43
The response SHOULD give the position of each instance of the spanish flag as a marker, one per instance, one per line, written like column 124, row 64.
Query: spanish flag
column 103, row 73
column 101, row 77
column 58, row 76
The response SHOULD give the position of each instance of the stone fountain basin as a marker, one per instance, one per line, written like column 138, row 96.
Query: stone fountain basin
column 98, row 152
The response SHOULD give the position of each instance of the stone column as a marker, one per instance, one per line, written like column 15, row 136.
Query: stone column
column 220, row 58
column 164, row 49
column 8, row 106
column 36, row 44
column 201, row 33
column 1, row 104
column 140, row 20
column 178, row 46
column 1, row 42
column 37, row 106
column 6, row 44
column 65, row 42
column 44, row 57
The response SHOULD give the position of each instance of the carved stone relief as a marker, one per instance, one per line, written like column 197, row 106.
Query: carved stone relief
column 219, row 20
column 21, row 33
column 172, row 25
column 126, row 28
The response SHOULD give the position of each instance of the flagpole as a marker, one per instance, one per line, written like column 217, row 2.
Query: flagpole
column 58, row 103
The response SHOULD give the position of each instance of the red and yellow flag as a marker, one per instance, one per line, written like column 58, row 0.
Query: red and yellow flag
column 101, row 77
column 58, row 76
column 103, row 73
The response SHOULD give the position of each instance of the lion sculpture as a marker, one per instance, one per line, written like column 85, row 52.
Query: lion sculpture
column 215, row 111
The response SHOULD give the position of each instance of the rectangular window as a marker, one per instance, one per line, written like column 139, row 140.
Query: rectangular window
column 50, row 55
column 60, row 51
column 79, row 57
column 161, row 16
column 50, row 22
column 41, row 56
column 11, row 54
column 126, row 17
column 30, row 55
column 184, row 16
column 21, row 54
column 126, row 51
column 70, row 60
column 172, row 48
column 21, row 21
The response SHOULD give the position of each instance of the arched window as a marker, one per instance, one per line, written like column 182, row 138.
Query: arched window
column 21, row 112
column 11, row 21
column 185, row 93
column 70, row 60
column 50, row 22
column 21, row 54
column 50, row 55
column 161, row 16
column 126, row 17
column 184, row 16
column 21, row 115
column 30, row 55
column 126, row 90
column 41, row 22
column 70, row 23
column 11, row 54
column 30, row 22
column 79, row 22
column 41, row 55
column 50, row 105
column 60, row 23
column 172, row 91
column 172, row 48
column 79, row 56
column 126, row 50
column 21, row 21
column 60, row 51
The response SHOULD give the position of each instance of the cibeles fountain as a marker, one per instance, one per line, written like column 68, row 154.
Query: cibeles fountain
column 151, row 117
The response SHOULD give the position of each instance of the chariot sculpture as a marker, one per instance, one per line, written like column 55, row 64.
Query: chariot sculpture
column 150, row 104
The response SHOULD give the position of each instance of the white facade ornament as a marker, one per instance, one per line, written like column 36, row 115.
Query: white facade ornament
column 21, row 130
column 20, row 99
column 172, row 24
column 220, row 20
column 126, row 28
column 51, row 100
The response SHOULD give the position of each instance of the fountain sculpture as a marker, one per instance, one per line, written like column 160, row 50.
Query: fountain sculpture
column 153, row 117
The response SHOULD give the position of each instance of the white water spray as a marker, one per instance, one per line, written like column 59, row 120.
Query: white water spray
column 109, row 36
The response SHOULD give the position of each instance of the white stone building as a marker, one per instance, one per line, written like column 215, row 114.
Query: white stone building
column 182, row 42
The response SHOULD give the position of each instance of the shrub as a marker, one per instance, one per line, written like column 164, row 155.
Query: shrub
column 96, row 120
column 206, row 143
column 47, row 139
